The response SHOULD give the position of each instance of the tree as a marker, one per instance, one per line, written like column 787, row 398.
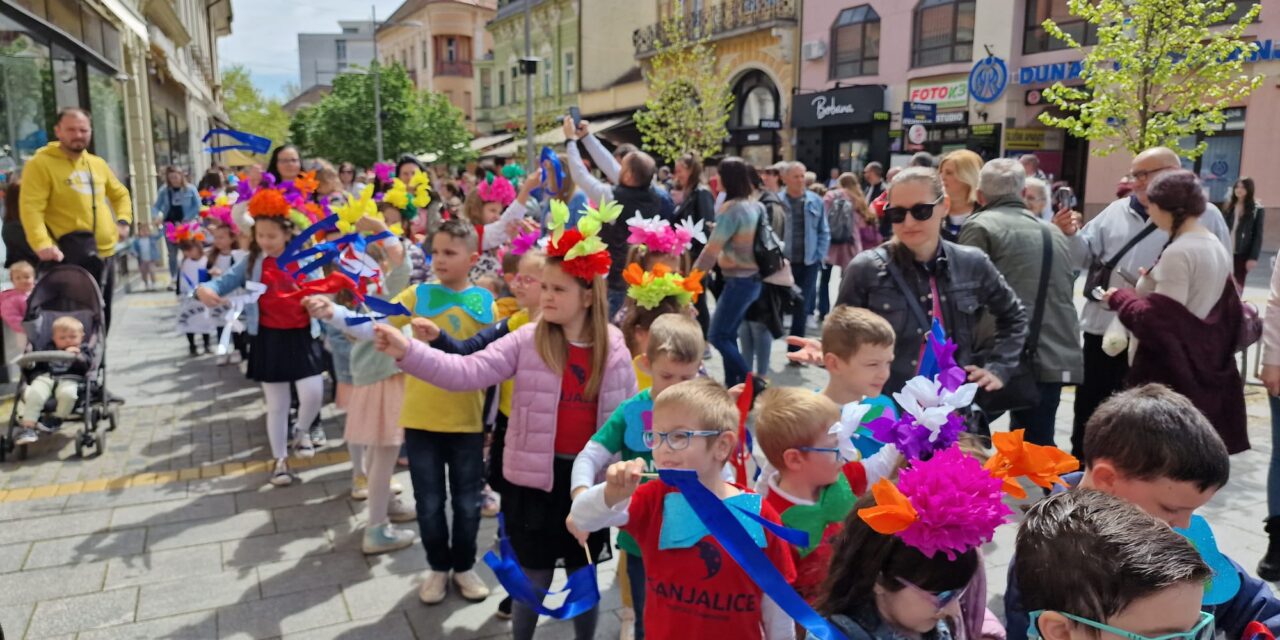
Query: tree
column 249, row 110
column 690, row 97
column 1162, row 70
column 341, row 127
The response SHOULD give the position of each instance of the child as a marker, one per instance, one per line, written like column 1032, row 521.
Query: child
column 694, row 427
column 1151, row 447
column 68, row 334
column 814, row 474
column 650, row 295
column 571, row 372
column 1093, row 563
column 223, row 255
column 857, row 351
column 146, row 249
column 283, row 348
column 673, row 355
column 192, row 269
column 492, row 208
column 13, row 302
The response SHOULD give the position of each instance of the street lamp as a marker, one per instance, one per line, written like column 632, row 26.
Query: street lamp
column 377, row 76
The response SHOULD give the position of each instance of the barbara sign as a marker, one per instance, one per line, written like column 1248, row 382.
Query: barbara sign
column 848, row 105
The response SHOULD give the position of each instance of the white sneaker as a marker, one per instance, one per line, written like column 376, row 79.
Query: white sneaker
column 303, row 447
column 398, row 511
column 434, row 588
column 281, row 477
column 384, row 537
column 471, row 586
column 396, row 487
column 26, row 436
column 360, row 488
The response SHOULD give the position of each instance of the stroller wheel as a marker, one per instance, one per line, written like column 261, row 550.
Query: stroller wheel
column 80, row 443
column 4, row 448
column 99, row 444
column 112, row 416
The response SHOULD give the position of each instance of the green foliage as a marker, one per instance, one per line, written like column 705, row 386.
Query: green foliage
column 341, row 127
column 249, row 110
column 690, row 98
column 1158, row 74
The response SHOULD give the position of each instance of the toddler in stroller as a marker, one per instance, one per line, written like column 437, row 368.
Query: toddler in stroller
column 60, row 379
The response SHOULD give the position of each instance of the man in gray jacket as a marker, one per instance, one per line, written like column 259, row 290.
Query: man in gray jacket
column 1101, row 240
column 1014, row 240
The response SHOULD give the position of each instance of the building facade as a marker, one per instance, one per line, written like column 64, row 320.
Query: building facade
column 555, row 42
column 322, row 56
column 438, row 41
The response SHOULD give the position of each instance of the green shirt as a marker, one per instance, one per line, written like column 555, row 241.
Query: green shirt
column 622, row 433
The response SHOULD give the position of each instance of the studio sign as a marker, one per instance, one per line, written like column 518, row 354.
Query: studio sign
column 822, row 109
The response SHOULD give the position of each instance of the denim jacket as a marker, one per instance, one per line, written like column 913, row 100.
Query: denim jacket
column 188, row 199
column 817, row 235
column 235, row 278
column 970, row 287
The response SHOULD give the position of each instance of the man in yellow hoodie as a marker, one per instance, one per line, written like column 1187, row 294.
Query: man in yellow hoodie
column 66, row 189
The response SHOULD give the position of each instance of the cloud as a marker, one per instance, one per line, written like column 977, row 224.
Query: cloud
column 264, row 34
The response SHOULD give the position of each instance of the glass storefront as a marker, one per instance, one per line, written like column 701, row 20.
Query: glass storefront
column 1219, row 165
column 26, row 95
column 106, row 103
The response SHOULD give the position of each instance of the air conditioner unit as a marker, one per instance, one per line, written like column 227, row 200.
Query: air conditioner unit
column 813, row 50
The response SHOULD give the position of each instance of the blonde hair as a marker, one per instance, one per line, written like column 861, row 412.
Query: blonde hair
column 968, row 166
column 790, row 417
column 553, row 345
column 675, row 336
column 704, row 401
column 22, row 265
column 847, row 329
column 68, row 323
column 473, row 207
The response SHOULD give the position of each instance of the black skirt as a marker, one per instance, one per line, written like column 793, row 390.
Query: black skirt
column 535, row 525
column 284, row 355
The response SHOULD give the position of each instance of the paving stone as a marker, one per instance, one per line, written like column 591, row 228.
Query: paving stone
column 279, row 578
column 78, row 549
column 55, row 582
column 126, row 497
column 77, row 613
column 335, row 511
column 191, row 626
column 12, row 556
column 381, row 596
column 395, row 625
column 273, row 617
column 34, row 529
column 269, row 497
column 251, row 552
column 160, row 566
column 14, row 619
column 186, row 534
column 31, row 508
column 198, row 593
column 171, row 511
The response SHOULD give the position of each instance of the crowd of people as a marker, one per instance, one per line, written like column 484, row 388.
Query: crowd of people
column 531, row 342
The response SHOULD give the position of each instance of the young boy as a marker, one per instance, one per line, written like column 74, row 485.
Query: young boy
column 674, row 355
column 1152, row 448
column 1091, row 562
column 811, row 485
column 857, row 350
column 68, row 334
column 693, row 589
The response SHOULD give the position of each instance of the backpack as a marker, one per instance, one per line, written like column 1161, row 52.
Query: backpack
column 766, row 246
column 840, row 220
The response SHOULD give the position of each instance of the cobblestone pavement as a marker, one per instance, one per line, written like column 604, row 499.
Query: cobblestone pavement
column 172, row 532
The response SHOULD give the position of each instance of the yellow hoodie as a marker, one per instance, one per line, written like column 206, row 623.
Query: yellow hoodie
column 56, row 198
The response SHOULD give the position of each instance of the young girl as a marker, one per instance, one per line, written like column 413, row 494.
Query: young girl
column 572, row 348
column 283, row 348
column 650, row 295
column 223, row 255
column 13, row 302
column 146, row 248
column 192, row 269
column 491, row 208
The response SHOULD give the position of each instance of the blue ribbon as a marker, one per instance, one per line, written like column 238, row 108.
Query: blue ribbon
column 248, row 141
column 929, row 366
column 582, row 592
column 730, row 534
column 381, row 308
column 295, row 246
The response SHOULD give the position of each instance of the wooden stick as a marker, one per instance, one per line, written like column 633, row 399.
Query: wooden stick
column 586, row 550
column 648, row 475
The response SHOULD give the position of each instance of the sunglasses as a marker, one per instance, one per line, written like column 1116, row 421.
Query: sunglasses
column 1204, row 629
column 940, row 599
column 921, row 212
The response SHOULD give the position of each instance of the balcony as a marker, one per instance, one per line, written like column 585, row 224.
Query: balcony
column 722, row 20
column 457, row 68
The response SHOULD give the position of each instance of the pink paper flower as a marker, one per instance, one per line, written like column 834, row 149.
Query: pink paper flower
column 959, row 504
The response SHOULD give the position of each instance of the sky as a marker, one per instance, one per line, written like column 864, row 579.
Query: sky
column 264, row 34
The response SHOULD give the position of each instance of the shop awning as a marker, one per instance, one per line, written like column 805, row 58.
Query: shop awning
column 486, row 142
column 553, row 138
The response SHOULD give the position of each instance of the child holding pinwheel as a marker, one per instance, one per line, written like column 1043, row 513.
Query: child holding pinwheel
column 571, row 371
column 192, row 270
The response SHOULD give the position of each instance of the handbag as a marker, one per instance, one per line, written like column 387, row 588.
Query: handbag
column 1099, row 274
column 1021, row 390
column 766, row 246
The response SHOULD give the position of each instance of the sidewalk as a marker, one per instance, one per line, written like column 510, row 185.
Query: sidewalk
column 172, row 533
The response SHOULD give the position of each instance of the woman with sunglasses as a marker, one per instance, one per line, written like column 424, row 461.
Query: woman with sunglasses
column 347, row 174
column 918, row 278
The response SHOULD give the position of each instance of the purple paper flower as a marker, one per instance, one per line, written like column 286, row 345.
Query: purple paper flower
column 524, row 242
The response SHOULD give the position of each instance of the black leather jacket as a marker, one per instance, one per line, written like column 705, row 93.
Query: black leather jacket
column 969, row 286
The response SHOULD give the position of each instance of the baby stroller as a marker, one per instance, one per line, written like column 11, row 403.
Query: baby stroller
column 66, row 290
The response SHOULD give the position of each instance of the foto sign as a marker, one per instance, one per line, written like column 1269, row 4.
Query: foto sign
column 942, row 94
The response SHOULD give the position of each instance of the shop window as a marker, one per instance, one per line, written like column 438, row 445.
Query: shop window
column 855, row 43
column 26, row 104
column 755, row 98
column 1036, row 40
column 943, row 32
column 106, row 103
column 1219, row 165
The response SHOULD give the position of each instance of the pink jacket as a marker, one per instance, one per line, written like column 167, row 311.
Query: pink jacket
column 531, row 433
column 13, row 306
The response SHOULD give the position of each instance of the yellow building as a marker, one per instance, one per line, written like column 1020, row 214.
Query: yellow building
column 436, row 41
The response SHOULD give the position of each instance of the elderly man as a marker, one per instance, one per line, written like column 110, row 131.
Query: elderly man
column 73, row 208
column 1031, row 165
column 1123, row 237
column 808, row 238
column 873, row 180
column 1014, row 239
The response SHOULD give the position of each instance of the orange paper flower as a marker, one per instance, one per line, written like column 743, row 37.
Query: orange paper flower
column 306, row 183
column 693, row 283
column 1015, row 457
column 893, row 511
column 633, row 274
column 268, row 202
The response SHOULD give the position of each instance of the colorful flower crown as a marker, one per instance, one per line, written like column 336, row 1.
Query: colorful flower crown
column 649, row 289
column 951, row 503
column 659, row 236
column 513, row 171
column 353, row 209
column 409, row 198
column 220, row 212
column 184, row 232
column 585, row 254
column 270, row 201
column 496, row 189
column 383, row 172
column 929, row 421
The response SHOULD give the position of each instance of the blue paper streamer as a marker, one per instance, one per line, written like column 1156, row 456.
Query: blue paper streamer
column 929, row 362
column 381, row 309
column 581, row 588
column 730, row 534
column 295, row 245
column 248, row 141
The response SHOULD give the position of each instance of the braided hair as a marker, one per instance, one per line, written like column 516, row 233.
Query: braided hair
column 1179, row 194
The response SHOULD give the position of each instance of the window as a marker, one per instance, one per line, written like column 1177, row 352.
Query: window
column 943, row 32
column 486, row 77
column 502, row 88
column 755, row 98
column 515, row 84
column 424, row 54
column 1036, row 39
column 340, row 49
column 569, row 75
column 546, row 80
column 855, row 43
column 451, row 49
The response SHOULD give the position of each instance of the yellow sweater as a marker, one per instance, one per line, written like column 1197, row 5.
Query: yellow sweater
column 57, row 199
column 431, row 408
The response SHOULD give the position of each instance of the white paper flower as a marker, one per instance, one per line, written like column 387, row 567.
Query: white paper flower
column 846, row 429
column 694, row 229
column 931, row 405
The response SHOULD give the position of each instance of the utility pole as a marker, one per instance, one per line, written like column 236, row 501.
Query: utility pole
column 528, row 67
column 377, row 86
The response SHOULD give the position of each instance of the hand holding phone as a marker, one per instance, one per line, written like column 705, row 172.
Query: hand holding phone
column 576, row 114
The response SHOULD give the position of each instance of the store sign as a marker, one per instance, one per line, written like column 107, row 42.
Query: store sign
column 1267, row 50
column 1033, row 97
column 848, row 105
column 770, row 124
column 1050, row 73
column 918, row 112
column 1033, row 139
column 944, row 94
column 917, row 134
column 952, row 117
column 882, row 116
column 988, row 79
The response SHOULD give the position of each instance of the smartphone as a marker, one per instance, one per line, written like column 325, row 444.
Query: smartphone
column 1064, row 198
column 576, row 114
column 1097, row 294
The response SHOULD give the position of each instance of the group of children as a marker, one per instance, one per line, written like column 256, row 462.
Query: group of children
column 586, row 417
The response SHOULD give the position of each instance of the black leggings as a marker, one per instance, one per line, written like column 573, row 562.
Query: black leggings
column 191, row 340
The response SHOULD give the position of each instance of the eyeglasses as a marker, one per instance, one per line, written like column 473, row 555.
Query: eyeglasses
column 921, row 212
column 525, row 281
column 940, row 599
column 1142, row 175
column 676, row 440
column 1204, row 629
column 835, row 451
